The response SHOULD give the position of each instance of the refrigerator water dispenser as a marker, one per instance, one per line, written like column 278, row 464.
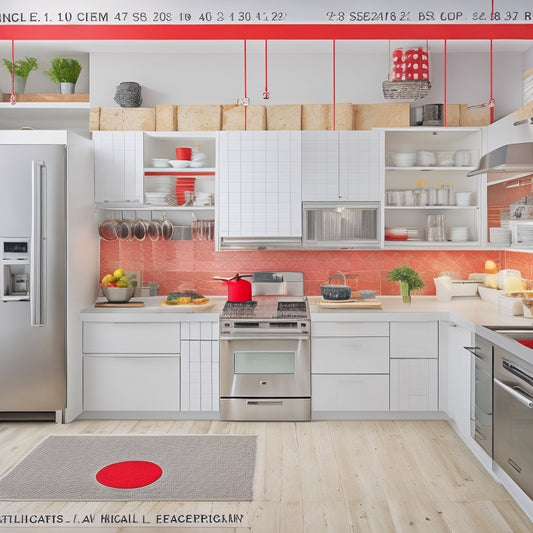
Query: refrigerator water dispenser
column 15, row 271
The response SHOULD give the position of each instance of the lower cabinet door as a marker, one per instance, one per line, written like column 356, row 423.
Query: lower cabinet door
column 414, row 384
column 350, row 392
column 148, row 383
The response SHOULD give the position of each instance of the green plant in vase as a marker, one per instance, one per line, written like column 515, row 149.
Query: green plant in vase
column 409, row 279
column 21, row 69
column 64, row 71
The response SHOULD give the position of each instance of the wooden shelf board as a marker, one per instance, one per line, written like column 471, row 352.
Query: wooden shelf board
column 48, row 97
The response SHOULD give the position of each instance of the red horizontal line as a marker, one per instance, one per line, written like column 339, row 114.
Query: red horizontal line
column 171, row 172
column 80, row 32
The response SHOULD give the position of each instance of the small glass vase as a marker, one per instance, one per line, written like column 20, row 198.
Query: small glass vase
column 405, row 292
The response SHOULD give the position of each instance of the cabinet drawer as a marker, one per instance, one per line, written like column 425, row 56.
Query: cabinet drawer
column 350, row 329
column 131, row 383
column 414, row 339
column 350, row 355
column 131, row 337
column 350, row 393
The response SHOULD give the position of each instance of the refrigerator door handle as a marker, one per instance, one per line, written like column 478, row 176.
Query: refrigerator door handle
column 38, row 244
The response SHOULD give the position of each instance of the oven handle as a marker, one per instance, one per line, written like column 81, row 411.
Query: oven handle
column 264, row 337
column 264, row 402
column 524, row 400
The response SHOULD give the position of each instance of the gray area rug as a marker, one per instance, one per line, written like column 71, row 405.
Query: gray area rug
column 195, row 468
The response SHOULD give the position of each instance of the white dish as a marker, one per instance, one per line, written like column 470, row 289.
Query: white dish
column 160, row 163
column 197, row 164
column 180, row 163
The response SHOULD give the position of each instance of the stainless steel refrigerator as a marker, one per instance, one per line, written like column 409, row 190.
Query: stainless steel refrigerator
column 33, row 241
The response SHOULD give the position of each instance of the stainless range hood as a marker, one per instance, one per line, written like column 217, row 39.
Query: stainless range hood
column 506, row 162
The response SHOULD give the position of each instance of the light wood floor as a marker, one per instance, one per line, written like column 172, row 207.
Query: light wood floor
column 323, row 477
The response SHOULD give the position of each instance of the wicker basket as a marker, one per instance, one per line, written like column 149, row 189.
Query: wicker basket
column 406, row 90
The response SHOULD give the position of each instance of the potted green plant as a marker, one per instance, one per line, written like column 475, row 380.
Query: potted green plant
column 64, row 71
column 21, row 70
column 409, row 279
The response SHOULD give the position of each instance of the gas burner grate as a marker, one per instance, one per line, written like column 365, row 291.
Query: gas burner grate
column 238, row 309
column 292, row 309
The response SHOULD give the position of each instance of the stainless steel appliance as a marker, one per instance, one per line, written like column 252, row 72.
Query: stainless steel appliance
column 340, row 225
column 265, row 357
column 33, row 280
column 513, row 416
column 481, row 390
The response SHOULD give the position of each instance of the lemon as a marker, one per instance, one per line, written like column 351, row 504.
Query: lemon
column 119, row 272
column 108, row 278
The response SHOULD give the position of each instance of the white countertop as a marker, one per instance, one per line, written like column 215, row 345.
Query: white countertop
column 472, row 313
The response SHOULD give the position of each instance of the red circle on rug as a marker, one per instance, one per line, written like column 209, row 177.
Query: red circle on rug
column 129, row 474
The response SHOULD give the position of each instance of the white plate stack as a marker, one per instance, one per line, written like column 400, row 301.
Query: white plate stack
column 527, row 86
column 463, row 198
column 500, row 236
column 156, row 198
column 525, row 233
column 458, row 233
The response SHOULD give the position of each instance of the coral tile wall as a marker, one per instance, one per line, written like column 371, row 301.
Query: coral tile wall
column 192, row 264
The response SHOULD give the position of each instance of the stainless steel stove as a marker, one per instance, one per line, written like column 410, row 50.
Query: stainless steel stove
column 265, row 360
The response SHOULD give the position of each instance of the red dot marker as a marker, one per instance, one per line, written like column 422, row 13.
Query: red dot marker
column 129, row 474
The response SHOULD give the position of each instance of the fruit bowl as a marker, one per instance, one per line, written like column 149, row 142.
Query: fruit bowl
column 118, row 295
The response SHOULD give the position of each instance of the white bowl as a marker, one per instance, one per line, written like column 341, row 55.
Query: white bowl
column 404, row 159
column 160, row 163
column 118, row 294
column 180, row 163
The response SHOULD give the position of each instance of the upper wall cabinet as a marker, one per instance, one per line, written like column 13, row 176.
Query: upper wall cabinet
column 341, row 165
column 259, row 188
column 118, row 166
column 429, row 200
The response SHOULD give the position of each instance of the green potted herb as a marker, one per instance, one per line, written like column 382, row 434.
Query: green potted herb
column 409, row 279
column 64, row 71
column 22, row 70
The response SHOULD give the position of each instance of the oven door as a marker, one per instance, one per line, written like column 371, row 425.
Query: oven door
column 264, row 366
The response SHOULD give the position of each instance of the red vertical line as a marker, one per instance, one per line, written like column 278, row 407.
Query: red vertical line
column 491, row 99
column 266, row 94
column 444, row 111
column 245, row 88
column 13, row 97
column 334, row 85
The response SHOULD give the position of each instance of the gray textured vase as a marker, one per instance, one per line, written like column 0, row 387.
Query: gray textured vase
column 66, row 87
column 20, row 85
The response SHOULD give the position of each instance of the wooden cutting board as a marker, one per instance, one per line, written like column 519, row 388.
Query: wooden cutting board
column 370, row 303
column 48, row 97
column 111, row 304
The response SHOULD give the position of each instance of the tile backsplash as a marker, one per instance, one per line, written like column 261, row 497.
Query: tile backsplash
column 176, row 265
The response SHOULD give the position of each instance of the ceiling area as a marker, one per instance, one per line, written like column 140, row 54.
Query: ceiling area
column 257, row 46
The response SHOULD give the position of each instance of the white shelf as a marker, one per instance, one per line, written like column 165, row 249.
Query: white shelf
column 45, row 106
column 430, row 207
column 148, row 207
column 424, row 169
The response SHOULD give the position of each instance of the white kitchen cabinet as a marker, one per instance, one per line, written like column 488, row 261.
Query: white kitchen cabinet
column 259, row 184
column 414, row 339
column 118, row 166
column 131, row 383
column 350, row 392
column 350, row 366
column 407, row 210
column 199, row 366
column 342, row 165
column 414, row 384
column 457, row 387
column 414, row 352
column 131, row 366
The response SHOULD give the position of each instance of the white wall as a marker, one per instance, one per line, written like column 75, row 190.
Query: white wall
column 298, row 78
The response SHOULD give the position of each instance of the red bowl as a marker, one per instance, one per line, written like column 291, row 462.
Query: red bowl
column 183, row 153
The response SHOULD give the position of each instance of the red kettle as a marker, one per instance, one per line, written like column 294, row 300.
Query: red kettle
column 239, row 290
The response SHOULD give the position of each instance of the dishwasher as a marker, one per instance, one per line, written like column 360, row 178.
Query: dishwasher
column 513, row 416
